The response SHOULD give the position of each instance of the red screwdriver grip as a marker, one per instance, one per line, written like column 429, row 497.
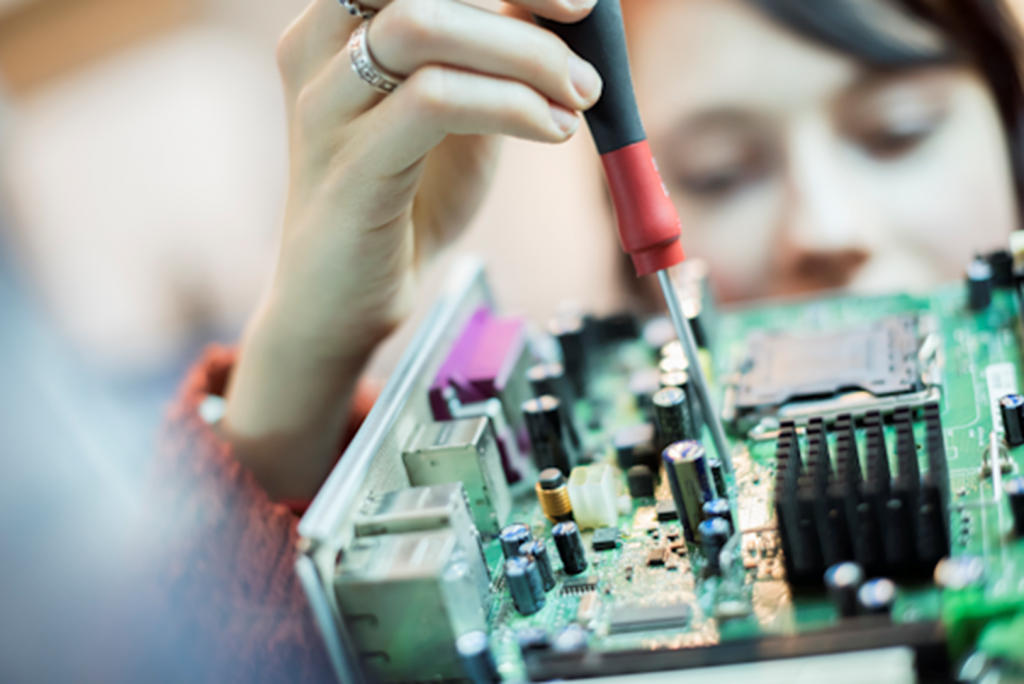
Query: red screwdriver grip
column 648, row 223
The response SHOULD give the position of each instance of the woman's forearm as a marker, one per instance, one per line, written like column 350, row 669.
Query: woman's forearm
column 288, row 406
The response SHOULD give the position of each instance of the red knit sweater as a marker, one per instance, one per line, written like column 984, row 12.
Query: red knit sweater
column 231, row 606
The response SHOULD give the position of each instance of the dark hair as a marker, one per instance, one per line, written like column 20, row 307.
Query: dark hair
column 903, row 34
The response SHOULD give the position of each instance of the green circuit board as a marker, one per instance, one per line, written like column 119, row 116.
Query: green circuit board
column 756, row 598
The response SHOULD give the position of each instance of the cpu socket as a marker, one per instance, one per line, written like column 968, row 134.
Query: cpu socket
column 882, row 365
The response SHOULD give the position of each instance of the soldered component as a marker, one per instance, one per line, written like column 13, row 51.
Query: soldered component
column 384, row 580
column 877, row 597
column 672, row 416
column 579, row 586
column 980, row 284
column 606, row 539
column 666, row 511
column 634, row 618
column 714, row 534
column 686, row 469
column 570, row 331
column 553, row 494
column 593, row 493
column 843, row 582
column 719, row 508
column 424, row 509
column 513, row 537
column 960, row 572
column 569, row 543
column 474, row 650
column 549, row 439
column 463, row 451
column 589, row 606
column 1012, row 409
column 1014, row 489
column 643, row 385
column 525, row 585
column 537, row 551
column 641, row 482
column 635, row 445
column 550, row 379
column 657, row 555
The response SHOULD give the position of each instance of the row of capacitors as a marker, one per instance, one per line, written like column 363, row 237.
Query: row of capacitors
column 529, row 572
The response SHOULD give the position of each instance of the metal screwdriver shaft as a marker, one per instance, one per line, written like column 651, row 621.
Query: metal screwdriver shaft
column 685, row 333
column 648, row 223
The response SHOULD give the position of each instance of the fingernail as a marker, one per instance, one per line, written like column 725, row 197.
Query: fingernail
column 585, row 79
column 566, row 121
column 581, row 4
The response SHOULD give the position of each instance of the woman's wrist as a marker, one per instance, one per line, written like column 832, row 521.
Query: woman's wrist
column 289, row 400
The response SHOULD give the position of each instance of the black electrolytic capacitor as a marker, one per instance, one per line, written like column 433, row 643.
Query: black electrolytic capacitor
column 569, row 543
column 714, row 534
column 549, row 379
column 719, row 508
column 1012, row 408
column 641, row 481
column 538, row 551
column 1015, row 493
column 843, row 582
column 474, row 651
column 1001, row 262
column 549, row 438
column 525, row 584
column 877, row 597
column 718, row 476
column 672, row 416
column 512, row 537
column 980, row 283
column 570, row 331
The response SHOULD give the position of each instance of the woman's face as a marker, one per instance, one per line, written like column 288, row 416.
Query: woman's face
column 795, row 168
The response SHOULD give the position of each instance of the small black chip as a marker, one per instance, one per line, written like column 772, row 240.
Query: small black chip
column 667, row 511
column 606, row 538
column 579, row 585
column 657, row 555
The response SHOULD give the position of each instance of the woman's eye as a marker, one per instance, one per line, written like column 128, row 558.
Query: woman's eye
column 895, row 119
column 891, row 143
column 718, row 175
column 714, row 184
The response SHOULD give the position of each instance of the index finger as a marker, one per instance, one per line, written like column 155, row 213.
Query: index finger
column 563, row 11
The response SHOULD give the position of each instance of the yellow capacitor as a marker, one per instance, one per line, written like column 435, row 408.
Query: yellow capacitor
column 554, row 495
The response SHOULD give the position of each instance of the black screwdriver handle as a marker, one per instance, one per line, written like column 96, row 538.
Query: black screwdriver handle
column 648, row 223
column 601, row 40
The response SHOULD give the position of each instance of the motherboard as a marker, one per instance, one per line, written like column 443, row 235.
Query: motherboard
column 561, row 517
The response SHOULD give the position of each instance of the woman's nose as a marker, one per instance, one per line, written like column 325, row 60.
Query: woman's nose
column 825, row 210
column 822, row 236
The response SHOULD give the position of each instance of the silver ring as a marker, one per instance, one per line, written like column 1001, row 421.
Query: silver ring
column 366, row 66
column 356, row 9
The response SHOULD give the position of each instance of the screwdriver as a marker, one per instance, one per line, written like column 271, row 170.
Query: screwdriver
column 648, row 223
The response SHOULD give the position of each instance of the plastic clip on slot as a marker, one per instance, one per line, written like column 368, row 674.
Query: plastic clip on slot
column 648, row 223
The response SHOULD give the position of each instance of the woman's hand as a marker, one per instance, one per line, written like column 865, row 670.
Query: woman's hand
column 379, row 184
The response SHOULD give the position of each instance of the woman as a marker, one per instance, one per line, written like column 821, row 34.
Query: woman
column 807, row 145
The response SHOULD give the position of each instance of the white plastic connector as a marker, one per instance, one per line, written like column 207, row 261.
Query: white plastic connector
column 593, row 496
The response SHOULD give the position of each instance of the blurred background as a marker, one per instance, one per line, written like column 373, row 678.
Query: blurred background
column 143, row 166
column 145, row 163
